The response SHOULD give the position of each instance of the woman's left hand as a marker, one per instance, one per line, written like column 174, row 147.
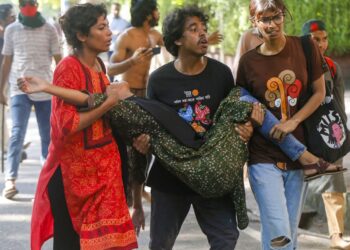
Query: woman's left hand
column 279, row 131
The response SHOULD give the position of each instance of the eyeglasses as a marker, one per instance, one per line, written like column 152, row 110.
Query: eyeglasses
column 277, row 19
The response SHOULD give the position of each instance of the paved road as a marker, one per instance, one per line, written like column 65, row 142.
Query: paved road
column 15, row 214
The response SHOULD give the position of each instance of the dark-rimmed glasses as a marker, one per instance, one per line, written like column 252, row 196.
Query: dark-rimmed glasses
column 277, row 19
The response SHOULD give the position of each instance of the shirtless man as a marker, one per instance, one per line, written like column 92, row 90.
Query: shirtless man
column 132, row 58
column 133, row 50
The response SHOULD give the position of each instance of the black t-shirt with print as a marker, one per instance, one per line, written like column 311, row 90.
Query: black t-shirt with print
column 195, row 98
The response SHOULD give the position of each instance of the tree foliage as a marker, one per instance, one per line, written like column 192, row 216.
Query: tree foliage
column 333, row 12
column 231, row 17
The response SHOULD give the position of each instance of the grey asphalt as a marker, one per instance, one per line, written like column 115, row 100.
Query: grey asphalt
column 15, row 214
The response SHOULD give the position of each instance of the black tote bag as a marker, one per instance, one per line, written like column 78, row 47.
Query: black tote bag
column 326, row 133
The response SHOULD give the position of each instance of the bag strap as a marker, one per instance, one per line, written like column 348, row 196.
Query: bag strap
column 331, row 66
column 102, row 64
column 306, row 44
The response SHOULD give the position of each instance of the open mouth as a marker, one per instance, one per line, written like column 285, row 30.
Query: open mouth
column 203, row 42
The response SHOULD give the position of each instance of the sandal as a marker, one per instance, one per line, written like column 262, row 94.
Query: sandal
column 321, row 167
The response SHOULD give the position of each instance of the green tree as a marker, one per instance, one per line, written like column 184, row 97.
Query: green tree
column 333, row 12
column 231, row 17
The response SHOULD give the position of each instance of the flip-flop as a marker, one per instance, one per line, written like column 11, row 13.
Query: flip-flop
column 321, row 167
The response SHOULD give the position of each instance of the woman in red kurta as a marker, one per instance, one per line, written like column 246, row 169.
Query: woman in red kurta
column 83, row 164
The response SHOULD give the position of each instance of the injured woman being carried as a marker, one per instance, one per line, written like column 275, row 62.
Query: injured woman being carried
column 210, row 164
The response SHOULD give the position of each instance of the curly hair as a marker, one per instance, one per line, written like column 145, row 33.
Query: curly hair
column 79, row 19
column 140, row 9
column 5, row 10
column 174, row 26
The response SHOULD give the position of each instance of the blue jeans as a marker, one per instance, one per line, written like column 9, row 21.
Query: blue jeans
column 279, row 197
column 20, row 109
column 289, row 145
column 215, row 216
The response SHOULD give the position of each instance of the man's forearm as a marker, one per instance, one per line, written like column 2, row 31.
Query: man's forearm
column 120, row 67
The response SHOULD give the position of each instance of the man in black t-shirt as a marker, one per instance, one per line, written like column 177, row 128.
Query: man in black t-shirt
column 193, row 85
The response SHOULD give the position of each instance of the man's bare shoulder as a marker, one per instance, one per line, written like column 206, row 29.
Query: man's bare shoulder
column 128, row 33
column 155, row 33
column 157, row 36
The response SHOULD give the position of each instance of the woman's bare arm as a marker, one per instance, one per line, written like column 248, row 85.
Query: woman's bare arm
column 34, row 84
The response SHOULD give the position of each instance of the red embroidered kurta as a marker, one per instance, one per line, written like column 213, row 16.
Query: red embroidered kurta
column 91, row 171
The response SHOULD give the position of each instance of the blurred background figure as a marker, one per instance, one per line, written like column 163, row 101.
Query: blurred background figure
column 331, row 187
column 117, row 25
column 250, row 39
column 21, row 56
column 7, row 16
column 54, row 22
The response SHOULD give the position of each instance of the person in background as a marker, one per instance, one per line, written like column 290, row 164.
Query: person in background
column 332, row 187
column 80, row 197
column 249, row 40
column 7, row 16
column 23, row 40
column 54, row 22
column 131, row 57
column 132, row 53
column 117, row 25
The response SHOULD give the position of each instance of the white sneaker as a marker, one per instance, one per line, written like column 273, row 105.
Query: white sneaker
column 10, row 189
